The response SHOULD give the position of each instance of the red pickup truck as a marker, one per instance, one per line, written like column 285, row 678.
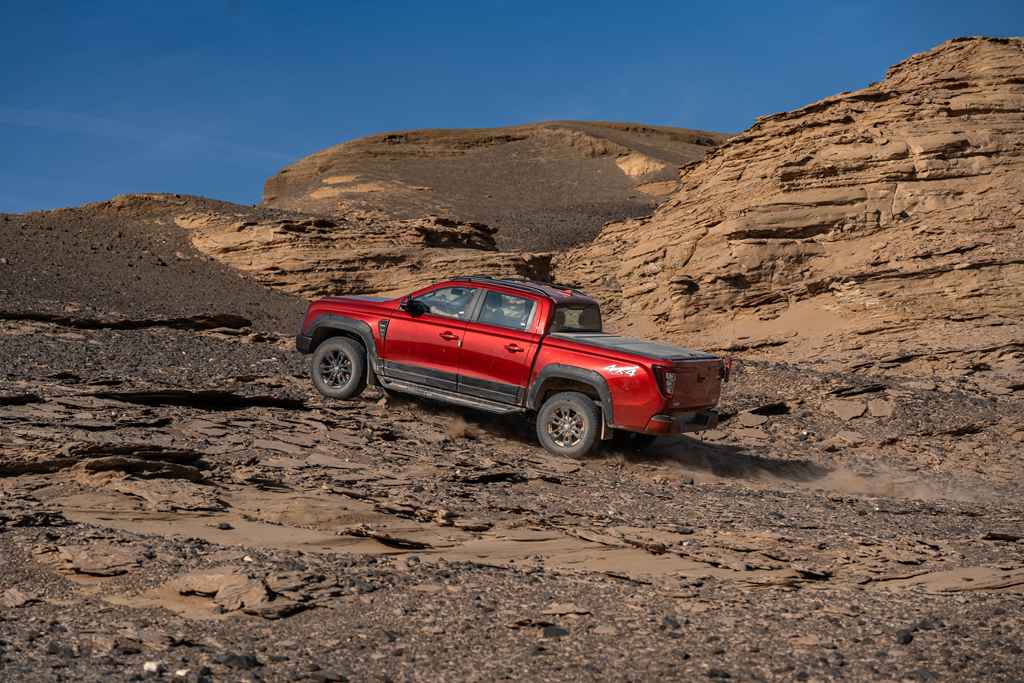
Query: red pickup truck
column 513, row 346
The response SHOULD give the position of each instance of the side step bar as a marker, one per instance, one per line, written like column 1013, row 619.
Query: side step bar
column 448, row 396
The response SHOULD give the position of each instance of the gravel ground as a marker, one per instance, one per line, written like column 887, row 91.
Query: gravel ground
column 177, row 503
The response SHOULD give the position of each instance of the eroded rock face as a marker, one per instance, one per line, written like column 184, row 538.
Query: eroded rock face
column 886, row 220
column 353, row 254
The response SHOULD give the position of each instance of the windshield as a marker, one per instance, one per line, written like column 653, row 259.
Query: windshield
column 577, row 318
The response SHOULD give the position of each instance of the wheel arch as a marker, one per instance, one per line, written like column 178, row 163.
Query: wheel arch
column 556, row 378
column 331, row 325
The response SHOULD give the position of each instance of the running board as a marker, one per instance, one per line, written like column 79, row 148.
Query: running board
column 448, row 397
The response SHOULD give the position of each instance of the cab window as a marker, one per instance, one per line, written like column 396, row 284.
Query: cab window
column 577, row 318
column 505, row 310
column 448, row 302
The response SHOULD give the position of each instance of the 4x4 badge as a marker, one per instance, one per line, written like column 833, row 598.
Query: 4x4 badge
column 621, row 370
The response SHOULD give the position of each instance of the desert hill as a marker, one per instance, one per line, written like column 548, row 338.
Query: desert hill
column 878, row 228
column 545, row 186
column 170, row 254
column 125, row 259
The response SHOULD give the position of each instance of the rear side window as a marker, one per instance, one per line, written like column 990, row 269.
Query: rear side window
column 577, row 318
column 450, row 302
column 505, row 310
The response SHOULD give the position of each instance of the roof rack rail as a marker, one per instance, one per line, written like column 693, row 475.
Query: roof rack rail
column 553, row 285
column 523, row 284
column 514, row 284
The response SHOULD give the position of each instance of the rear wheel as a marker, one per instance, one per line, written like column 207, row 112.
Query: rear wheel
column 568, row 424
column 339, row 368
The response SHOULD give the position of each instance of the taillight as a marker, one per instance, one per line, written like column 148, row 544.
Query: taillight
column 666, row 380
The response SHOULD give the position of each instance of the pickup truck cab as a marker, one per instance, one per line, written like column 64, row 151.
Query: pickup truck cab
column 513, row 346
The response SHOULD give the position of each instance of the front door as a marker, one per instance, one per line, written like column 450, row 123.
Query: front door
column 425, row 348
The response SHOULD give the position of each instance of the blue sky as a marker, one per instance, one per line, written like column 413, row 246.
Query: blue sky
column 100, row 98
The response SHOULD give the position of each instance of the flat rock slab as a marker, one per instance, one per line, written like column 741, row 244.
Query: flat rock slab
column 752, row 419
column 166, row 495
column 12, row 597
column 850, row 437
column 965, row 579
column 278, row 446
column 98, row 559
column 273, row 596
column 881, row 408
column 846, row 409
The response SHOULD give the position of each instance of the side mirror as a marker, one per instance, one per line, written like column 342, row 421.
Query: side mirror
column 411, row 306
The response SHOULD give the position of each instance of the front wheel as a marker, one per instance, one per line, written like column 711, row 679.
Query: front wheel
column 568, row 424
column 339, row 368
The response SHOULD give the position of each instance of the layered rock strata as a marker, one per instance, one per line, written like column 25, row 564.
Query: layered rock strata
column 871, row 225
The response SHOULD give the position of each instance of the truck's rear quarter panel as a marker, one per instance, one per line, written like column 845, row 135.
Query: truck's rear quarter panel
column 634, row 388
column 631, row 378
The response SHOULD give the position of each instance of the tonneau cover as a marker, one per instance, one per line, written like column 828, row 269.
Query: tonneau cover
column 639, row 347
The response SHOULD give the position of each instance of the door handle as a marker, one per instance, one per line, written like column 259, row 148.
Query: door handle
column 449, row 336
column 514, row 348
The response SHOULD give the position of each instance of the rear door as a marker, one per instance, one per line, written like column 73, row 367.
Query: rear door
column 498, row 348
column 425, row 349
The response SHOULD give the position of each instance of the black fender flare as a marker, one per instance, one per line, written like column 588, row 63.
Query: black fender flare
column 570, row 372
column 331, row 321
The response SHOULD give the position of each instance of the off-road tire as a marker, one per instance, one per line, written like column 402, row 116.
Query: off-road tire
column 569, row 424
column 339, row 368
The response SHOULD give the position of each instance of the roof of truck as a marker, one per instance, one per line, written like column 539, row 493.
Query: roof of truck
column 558, row 293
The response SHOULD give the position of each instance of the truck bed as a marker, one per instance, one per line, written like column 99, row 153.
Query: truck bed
column 633, row 345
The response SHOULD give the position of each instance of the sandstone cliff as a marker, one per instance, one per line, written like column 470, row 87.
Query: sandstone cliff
column 883, row 226
column 544, row 186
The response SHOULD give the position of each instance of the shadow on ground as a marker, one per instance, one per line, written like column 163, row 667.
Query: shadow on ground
column 720, row 460
column 724, row 460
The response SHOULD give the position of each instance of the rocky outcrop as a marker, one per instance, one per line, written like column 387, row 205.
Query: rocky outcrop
column 880, row 224
column 150, row 261
column 354, row 254
column 545, row 186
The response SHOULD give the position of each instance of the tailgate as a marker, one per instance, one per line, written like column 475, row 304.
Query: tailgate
column 698, row 384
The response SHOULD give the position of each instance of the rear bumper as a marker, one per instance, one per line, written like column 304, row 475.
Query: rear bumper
column 303, row 343
column 683, row 423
